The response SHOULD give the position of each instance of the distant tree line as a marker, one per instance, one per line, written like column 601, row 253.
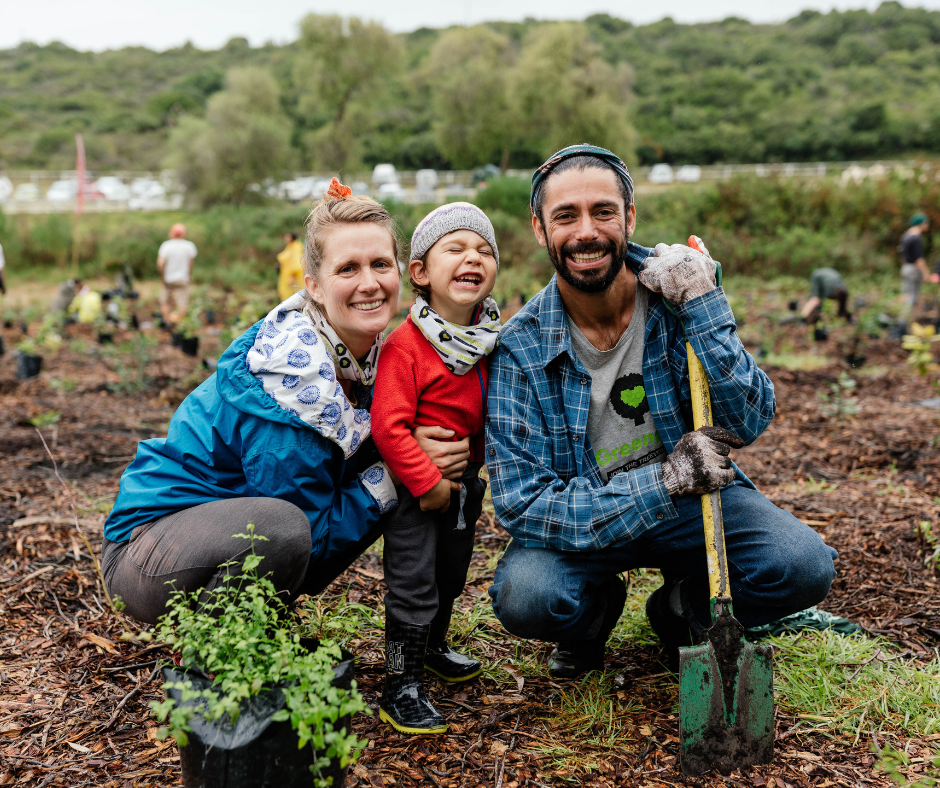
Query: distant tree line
column 348, row 94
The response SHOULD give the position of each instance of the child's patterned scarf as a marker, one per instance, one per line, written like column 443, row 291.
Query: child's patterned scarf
column 346, row 365
column 460, row 347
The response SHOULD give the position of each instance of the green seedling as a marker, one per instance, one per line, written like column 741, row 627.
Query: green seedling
column 919, row 343
column 931, row 544
column 46, row 419
column 836, row 403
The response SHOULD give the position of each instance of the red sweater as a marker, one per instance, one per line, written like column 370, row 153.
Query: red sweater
column 413, row 387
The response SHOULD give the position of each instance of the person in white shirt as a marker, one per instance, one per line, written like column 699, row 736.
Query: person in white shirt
column 3, row 287
column 175, row 263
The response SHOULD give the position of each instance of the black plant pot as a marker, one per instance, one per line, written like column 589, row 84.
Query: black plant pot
column 176, row 339
column 105, row 339
column 209, row 315
column 820, row 334
column 2, row 348
column 189, row 345
column 28, row 366
column 255, row 752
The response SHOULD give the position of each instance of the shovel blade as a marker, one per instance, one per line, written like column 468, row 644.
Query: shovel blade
column 726, row 711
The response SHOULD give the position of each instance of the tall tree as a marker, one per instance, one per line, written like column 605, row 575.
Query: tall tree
column 343, row 62
column 468, row 74
column 244, row 138
column 565, row 92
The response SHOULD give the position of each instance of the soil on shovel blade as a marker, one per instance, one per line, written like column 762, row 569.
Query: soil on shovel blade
column 74, row 695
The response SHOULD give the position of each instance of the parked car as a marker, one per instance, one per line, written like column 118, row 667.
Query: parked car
column 63, row 191
column 485, row 173
column 147, row 195
column 360, row 189
column 660, row 173
column 689, row 173
column 113, row 188
column 384, row 173
column 6, row 188
column 141, row 187
column 27, row 192
column 392, row 192
column 426, row 179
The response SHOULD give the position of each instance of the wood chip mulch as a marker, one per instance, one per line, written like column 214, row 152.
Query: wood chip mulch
column 74, row 694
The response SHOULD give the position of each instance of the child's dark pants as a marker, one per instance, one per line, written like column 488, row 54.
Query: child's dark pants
column 426, row 558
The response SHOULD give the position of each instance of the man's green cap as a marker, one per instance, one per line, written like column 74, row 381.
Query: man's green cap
column 917, row 218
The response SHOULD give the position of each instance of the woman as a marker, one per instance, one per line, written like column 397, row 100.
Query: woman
column 278, row 437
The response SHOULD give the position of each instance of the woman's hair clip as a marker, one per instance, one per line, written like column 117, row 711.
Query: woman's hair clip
column 337, row 190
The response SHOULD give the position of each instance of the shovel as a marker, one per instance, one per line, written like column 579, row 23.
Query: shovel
column 726, row 698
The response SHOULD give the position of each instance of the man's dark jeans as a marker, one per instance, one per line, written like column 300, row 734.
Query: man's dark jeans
column 778, row 566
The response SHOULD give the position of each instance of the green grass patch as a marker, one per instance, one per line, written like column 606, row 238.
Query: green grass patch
column 845, row 686
column 797, row 361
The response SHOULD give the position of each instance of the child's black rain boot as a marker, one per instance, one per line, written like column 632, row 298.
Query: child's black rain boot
column 440, row 658
column 404, row 704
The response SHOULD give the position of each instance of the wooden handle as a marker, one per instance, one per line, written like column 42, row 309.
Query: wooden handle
column 711, row 502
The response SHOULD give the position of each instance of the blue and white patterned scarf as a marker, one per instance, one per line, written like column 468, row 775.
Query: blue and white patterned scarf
column 294, row 365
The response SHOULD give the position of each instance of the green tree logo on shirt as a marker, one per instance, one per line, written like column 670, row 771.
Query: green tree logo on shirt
column 628, row 398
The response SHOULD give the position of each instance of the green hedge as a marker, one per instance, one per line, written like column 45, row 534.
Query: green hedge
column 755, row 226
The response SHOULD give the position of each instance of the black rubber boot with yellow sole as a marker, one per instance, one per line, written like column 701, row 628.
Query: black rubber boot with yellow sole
column 405, row 705
column 440, row 659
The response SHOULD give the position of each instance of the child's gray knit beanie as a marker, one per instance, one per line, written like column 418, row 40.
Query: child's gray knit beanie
column 447, row 219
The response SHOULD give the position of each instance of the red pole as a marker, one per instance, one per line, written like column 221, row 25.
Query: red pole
column 80, row 167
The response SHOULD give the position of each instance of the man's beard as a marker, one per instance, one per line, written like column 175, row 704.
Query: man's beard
column 593, row 280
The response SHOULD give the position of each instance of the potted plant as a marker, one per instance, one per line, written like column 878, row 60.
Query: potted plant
column 186, row 336
column 29, row 358
column 255, row 704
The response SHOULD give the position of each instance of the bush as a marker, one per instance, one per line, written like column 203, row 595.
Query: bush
column 509, row 195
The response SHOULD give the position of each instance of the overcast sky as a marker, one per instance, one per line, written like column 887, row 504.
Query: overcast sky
column 161, row 24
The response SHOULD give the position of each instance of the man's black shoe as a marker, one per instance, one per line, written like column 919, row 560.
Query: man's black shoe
column 672, row 628
column 570, row 659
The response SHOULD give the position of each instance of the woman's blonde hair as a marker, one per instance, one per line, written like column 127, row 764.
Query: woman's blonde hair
column 331, row 211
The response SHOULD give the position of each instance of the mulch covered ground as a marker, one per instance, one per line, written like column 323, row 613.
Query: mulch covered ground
column 74, row 695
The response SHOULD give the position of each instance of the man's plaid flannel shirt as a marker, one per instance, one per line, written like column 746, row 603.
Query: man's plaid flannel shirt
column 547, row 487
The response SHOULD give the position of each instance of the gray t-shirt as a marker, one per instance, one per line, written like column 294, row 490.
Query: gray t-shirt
column 620, row 425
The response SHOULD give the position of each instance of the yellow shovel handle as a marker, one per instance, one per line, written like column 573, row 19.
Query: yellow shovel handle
column 711, row 502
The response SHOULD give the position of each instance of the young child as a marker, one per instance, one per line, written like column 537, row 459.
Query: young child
column 433, row 371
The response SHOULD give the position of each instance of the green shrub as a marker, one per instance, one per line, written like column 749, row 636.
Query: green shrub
column 509, row 195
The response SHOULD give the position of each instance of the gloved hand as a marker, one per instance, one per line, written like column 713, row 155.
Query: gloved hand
column 700, row 464
column 679, row 273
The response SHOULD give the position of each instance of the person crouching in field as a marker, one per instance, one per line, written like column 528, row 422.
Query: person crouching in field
column 826, row 283
column 433, row 371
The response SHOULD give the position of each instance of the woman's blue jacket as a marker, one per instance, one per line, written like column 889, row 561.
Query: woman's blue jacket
column 229, row 439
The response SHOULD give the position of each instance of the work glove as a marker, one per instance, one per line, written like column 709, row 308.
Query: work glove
column 679, row 273
column 700, row 463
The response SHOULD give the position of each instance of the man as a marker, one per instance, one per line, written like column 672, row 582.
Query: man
column 913, row 264
column 826, row 283
column 290, row 277
column 175, row 264
column 594, row 466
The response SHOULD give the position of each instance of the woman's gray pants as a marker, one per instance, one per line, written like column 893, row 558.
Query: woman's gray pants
column 185, row 550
